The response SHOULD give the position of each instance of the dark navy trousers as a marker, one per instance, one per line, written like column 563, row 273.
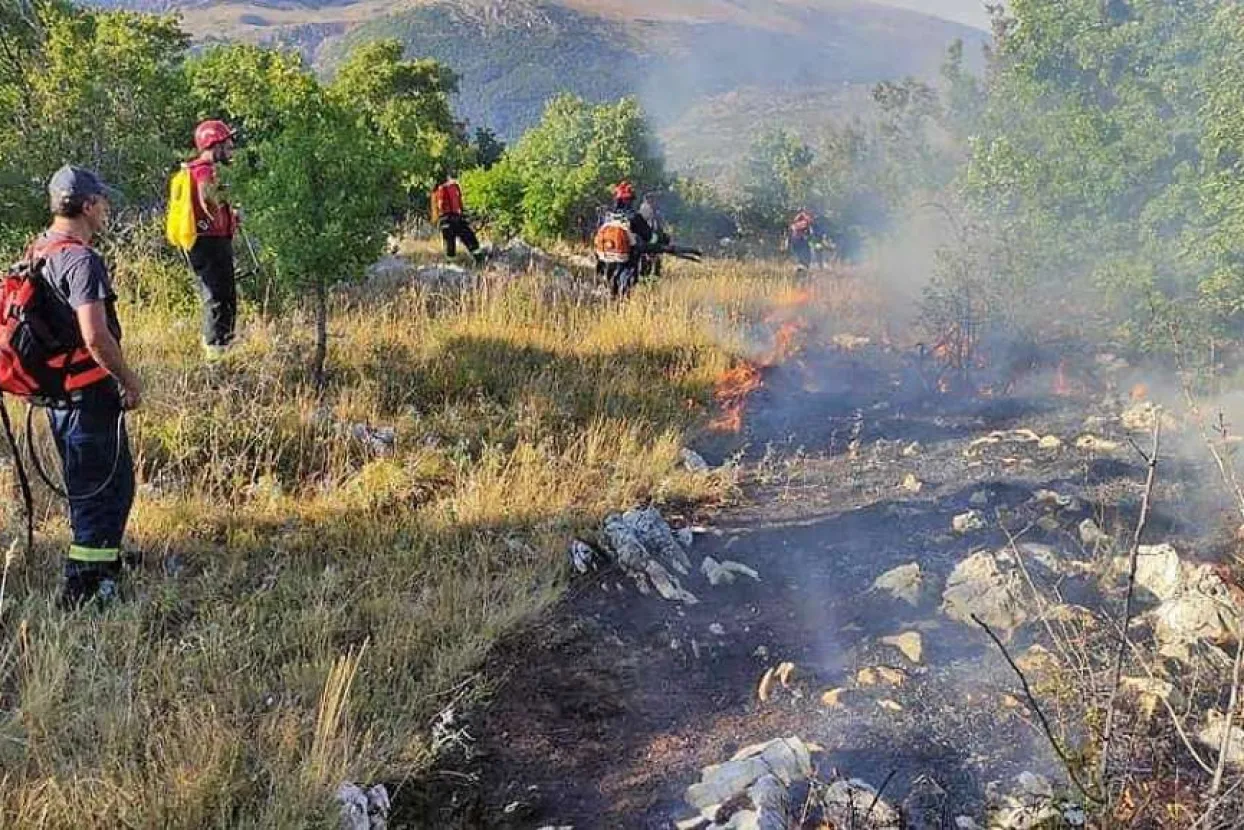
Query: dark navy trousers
column 98, row 471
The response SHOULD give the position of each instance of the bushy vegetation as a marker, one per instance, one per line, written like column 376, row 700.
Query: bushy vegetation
column 551, row 183
column 1106, row 158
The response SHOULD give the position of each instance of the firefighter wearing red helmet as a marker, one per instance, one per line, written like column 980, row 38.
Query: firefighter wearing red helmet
column 216, row 222
column 621, row 241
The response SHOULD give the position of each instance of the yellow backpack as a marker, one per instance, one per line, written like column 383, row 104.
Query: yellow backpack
column 179, row 226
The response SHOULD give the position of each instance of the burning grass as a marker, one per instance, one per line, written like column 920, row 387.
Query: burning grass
column 315, row 587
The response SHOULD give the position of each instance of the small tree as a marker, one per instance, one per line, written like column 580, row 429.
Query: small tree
column 320, row 200
column 101, row 89
column 407, row 104
column 319, row 184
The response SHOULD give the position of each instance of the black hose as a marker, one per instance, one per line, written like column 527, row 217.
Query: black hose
column 28, row 501
column 55, row 488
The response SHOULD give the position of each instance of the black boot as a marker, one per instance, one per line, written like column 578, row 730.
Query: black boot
column 90, row 582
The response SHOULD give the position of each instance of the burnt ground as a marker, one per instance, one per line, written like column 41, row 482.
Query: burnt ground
column 609, row 708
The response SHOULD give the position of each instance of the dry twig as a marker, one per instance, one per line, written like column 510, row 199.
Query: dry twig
column 1036, row 708
column 1151, row 460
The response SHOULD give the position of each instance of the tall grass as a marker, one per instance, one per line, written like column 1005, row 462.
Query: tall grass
column 310, row 597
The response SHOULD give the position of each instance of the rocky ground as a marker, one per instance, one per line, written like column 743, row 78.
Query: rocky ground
column 878, row 519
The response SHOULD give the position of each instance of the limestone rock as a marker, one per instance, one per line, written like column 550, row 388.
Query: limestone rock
column 1203, row 609
column 910, row 643
column 786, row 760
column 1212, row 733
column 693, row 462
column 641, row 563
column 1091, row 534
column 1159, row 570
column 904, row 582
column 724, row 573
column 968, row 522
column 847, row 802
column 655, row 534
column 582, row 556
column 977, row 586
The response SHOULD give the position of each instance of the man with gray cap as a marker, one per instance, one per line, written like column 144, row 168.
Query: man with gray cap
column 88, row 428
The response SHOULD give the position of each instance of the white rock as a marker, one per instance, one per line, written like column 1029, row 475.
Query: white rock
column 1211, row 736
column 693, row 461
column 1091, row 535
column 582, row 556
column 978, row 587
column 1203, row 610
column 1158, row 570
column 845, row 802
column 717, row 629
column 912, row 484
column 724, row 573
column 968, row 522
column 904, row 582
column 1050, row 442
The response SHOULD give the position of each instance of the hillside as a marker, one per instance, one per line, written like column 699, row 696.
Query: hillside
column 513, row 56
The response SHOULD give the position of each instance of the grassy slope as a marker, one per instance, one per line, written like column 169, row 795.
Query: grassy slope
column 284, row 557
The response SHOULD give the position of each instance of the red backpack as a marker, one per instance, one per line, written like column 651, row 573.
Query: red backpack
column 42, row 358
column 448, row 199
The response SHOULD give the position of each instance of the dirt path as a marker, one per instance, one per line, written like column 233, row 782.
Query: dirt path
column 612, row 706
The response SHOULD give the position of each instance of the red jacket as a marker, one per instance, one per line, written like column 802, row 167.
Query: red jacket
column 213, row 215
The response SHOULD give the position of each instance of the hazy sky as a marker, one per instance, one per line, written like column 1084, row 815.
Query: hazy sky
column 971, row 12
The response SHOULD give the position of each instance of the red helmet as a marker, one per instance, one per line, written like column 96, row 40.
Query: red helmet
column 210, row 133
column 624, row 192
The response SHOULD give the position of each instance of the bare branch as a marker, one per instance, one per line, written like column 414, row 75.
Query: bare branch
column 1036, row 708
column 1151, row 459
column 1225, row 747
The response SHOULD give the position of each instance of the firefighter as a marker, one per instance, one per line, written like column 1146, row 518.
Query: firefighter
column 650, row 263
column 799, row 239
column 88, row 429
column 621, row 241
column 216, row 222
column 447, row 214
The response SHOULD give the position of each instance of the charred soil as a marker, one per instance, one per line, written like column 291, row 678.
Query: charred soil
column 606, row 711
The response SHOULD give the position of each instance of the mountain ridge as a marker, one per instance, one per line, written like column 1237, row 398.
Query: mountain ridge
column 513, row 56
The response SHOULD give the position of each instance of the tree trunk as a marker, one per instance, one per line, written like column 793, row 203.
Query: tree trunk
column 321, row 331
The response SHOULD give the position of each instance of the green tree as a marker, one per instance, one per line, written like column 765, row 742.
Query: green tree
column 487, row 148
column 407, row 103
column 776, row 179
column 319, row 184
column 101, row 89
column 1089, row 152
column 551, row 183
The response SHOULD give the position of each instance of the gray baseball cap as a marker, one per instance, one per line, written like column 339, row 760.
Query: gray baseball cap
column 71, row 183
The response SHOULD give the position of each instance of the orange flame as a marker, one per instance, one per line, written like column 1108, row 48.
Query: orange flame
column 731, row 394
column 789, row 339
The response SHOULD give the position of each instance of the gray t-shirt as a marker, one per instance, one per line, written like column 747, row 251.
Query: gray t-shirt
column 79, row 276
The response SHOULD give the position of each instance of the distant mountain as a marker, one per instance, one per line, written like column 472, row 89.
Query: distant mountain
column 513, row 55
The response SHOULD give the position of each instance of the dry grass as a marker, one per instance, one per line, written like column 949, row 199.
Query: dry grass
column 309, row 603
